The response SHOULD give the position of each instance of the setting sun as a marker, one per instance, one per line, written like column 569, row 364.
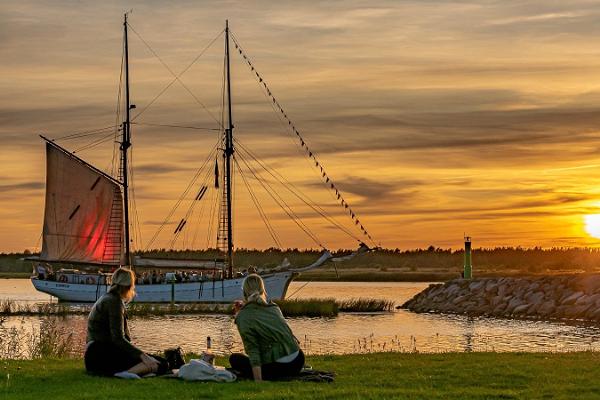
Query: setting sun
column 592, row 225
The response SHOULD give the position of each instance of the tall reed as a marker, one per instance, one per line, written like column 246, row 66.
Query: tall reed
column 50, row 339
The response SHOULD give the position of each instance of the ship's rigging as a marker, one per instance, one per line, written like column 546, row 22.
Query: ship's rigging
column 211, row 191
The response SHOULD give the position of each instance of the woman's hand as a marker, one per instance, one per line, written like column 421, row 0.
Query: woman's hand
column 150, row 362
column 237, row 306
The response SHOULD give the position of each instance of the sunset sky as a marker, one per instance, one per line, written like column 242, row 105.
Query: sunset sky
column 434, row 118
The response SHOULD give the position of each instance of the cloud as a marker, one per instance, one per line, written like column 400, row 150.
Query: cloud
column 424, row 113
column 23, row 186
column 160, row 168
column 16, row 191
column 538, row 17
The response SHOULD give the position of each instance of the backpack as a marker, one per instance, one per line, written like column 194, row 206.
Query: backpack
column 174, row 357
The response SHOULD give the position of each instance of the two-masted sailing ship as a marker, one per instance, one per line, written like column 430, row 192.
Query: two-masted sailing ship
column 86, row 230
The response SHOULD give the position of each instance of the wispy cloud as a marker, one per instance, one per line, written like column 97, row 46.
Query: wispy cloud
column 431, row 117
column 538, row 17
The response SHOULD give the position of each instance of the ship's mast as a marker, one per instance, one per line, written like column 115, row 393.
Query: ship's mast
column 228, row 155
column 125, row 144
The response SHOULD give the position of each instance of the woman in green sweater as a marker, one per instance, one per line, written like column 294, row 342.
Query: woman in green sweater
column 271, row 347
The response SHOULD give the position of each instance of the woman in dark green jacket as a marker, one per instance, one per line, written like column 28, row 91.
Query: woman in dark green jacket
column 109, row 350
column 271, row 347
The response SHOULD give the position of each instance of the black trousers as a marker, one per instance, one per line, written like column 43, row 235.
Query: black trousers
column 270, row 372
column 106, row 359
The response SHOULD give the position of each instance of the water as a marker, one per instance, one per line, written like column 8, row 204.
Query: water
column 346, row 333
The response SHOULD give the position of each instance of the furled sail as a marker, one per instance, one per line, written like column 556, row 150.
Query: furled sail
column 363, row 248
column 83, row 217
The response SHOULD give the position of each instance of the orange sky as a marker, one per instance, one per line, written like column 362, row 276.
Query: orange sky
column 434, row 119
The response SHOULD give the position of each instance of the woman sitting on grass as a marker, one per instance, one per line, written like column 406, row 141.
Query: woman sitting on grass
column 272, row 348
column 109, row 351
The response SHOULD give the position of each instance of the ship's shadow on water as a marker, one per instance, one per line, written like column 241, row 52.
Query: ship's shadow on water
column 399, row 331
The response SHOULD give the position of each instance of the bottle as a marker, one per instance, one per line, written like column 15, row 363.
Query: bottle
column 207, row 355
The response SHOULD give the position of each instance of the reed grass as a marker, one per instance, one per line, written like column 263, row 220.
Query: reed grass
column 308, row 307
column 50, row 340
column 10, row 307
column 290, row 308
column 365, row 305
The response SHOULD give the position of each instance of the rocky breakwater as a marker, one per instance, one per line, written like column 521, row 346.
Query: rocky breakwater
column 548, row 297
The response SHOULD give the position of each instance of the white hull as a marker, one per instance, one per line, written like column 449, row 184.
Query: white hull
column 225, row 291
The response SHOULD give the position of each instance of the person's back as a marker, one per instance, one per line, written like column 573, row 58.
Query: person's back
column 105, row 314
column 109, row 350
column 271, row 348
column 267, row 331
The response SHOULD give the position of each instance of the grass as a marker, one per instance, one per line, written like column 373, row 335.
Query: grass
column 309, row 307
column 376, row 275
column 365, row 305
column 370, row 376
column 48, row 340
column 15, row 275
column 289, row 308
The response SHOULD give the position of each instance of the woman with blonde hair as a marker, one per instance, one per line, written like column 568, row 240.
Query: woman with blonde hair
column 271, row 347
column 109, row 350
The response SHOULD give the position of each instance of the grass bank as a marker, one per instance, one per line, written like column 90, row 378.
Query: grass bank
column 371, row 376
column 289, row 308
column 376, row 275
column 15, row 275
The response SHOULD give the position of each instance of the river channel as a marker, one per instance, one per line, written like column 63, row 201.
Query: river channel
column 347, row 333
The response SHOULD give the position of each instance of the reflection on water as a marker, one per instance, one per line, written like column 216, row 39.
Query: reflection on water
column 347, row 333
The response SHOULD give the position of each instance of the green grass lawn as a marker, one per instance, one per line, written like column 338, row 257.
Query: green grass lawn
column 372, row 376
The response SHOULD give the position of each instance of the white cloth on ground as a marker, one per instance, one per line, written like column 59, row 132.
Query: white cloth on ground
column 288, row 358
column 200, row 370
column 127, row 375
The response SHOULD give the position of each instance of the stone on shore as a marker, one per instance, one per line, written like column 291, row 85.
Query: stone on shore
column 575, row 296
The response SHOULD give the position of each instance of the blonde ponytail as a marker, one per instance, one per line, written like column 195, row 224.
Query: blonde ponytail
column 254, row 290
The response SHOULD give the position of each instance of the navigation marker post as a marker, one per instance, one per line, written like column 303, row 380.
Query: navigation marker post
column 468, row 268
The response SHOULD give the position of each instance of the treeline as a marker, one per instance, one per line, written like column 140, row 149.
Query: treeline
column 535, row 260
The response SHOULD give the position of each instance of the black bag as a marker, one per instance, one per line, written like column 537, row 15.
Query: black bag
column 174, row 358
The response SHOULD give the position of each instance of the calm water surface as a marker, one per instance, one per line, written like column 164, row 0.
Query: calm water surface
column 347, row 333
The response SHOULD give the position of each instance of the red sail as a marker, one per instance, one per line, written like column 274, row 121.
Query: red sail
column 83, row 218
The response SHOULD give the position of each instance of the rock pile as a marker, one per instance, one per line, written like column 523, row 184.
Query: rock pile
column 548, row 297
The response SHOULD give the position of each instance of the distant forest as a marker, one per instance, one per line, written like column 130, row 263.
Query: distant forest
column 532, row 260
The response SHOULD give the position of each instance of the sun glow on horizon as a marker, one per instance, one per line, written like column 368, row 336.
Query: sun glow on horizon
column 592, row 225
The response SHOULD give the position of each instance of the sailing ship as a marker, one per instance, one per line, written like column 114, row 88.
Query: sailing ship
column 87, row 224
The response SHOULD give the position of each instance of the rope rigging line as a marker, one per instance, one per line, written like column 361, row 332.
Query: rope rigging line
column 177, row 126
column 189, row 212
column 116, row 160
column 82, row 134
column 297, row 290
column 182, row 197
column 259, row 208
column 95, row 143
column 282, row 204
column 296, row 192
column 308, row 152
column 214, row 207
column 176, row 77
column 136, row 219
column 198, row 219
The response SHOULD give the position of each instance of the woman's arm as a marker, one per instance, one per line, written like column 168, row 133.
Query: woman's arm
column 117, row 328
column 251, row 345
